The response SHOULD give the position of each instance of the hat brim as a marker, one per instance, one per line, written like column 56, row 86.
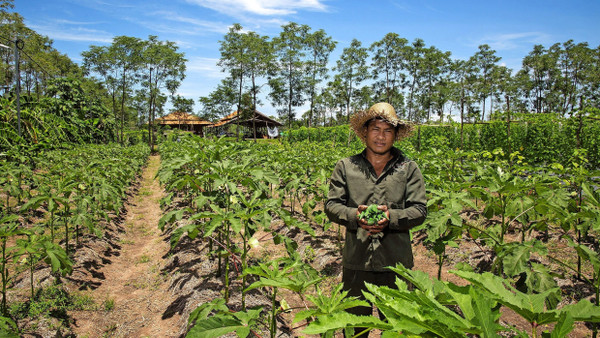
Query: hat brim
column 358, row 124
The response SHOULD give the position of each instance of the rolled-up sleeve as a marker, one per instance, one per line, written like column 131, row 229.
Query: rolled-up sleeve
column 415, row 204
column 337, row 199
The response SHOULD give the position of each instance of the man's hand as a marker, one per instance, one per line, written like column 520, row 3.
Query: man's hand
column 374, row 228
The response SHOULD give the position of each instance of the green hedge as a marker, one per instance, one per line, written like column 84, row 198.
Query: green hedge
column 541, row 138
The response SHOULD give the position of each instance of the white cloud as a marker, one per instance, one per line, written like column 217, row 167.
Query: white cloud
column 260, row 7
column 172, row 22
column 205, row 67
column 514, row 40
column 61, row 33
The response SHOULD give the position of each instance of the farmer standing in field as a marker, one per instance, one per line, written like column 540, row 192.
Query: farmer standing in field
column 379, row 175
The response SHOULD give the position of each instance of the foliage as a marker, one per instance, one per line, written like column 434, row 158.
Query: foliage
column 372, row 214
column 73, row 189
column 229, row 190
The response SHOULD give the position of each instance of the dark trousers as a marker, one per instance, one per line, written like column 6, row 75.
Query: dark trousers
column 354, row 283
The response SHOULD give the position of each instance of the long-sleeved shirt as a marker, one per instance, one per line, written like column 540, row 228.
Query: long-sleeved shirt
column 400, row 186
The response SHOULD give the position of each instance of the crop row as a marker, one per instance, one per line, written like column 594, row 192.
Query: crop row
column 50, row 200
column 230, row 190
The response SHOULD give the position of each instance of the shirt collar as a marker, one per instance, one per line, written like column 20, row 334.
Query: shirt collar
column 396, row 155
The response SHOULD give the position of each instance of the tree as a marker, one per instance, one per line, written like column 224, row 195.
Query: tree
column 99, row 60
column 351, row 70
column 433, row 70
column 484, row 60
column 219, row 102
column 335, row 99
column 234, row 60
column 125, row 51
column 182, row 104
column 413, row 55
column 288, row 81
column 573, row 63
column 163, row 69
column 259, row 58
column 502, row 87
column 591, row 86
column 387, row 65
column 540, row 66
column 320, row 47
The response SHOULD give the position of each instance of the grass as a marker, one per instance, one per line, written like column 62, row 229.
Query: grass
column 143, row 259
column 52, row 301
column 108, row 304
column 126, row 241
column 145, row 192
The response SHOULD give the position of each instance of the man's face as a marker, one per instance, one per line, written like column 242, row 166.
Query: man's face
column 380, row 137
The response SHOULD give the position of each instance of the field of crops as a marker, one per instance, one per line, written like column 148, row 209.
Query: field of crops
column 510, row 247
column 50, row 204
column 532, row 229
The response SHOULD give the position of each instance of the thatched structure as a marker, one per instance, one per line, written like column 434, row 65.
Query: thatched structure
column 184, row 121
column 258, row 120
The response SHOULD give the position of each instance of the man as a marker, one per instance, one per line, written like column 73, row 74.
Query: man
column 380, row 175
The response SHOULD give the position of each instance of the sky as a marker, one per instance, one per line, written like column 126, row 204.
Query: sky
column 510, row 27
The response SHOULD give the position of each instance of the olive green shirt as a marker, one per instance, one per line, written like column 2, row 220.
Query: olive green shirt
column 400, row 186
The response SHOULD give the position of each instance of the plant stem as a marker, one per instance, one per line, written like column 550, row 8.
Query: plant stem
column 274, row 313
column 4, row 278
column 440, row 263
column 244, row 265
column 226, row 296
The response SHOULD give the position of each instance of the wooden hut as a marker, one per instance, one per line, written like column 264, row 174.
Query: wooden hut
column 184, row 121
column 258, row 121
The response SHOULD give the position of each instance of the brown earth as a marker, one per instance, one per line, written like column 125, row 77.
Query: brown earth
column 134, row 291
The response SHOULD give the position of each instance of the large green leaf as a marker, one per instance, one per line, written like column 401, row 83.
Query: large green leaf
column 563, row 326
column 341, row 320
column 217, row 326
column 529, row 306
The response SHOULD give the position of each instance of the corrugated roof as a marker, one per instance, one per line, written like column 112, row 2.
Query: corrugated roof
column 260, row 117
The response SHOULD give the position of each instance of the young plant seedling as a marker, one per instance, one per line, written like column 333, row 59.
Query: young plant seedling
column 372, row 215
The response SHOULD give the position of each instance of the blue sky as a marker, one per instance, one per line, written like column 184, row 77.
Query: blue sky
column 511, row 28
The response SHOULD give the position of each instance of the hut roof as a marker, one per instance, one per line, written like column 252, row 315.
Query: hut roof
column 258, row 117
column 182, row 118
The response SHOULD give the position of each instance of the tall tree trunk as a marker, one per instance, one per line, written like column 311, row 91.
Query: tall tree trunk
column 254, row 106
column 483, row 110
column 290, row 92
column 150, row 114
column 462, row 115
column 239, row 106
column 123, row 111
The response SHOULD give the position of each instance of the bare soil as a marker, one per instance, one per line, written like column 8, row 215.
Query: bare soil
column 130, row 285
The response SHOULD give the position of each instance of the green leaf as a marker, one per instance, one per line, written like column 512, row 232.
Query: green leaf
column 582, row 311
column 563, row 326
column 341, row 320
column 170, row 218
column 529, row 306
column 216, row 326
column 515, row 259
column 486, row 314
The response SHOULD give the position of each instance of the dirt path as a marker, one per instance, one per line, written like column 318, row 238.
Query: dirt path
column 134, row 294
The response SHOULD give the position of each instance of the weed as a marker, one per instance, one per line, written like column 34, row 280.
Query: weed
column 53, row 301
column 144, row 259
column 145, row 192
column 139, row 284
column 109, row 331
column 309, row 254
column 109, row 304
column 126, row 241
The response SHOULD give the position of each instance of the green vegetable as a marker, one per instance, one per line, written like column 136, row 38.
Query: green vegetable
column 372, row 215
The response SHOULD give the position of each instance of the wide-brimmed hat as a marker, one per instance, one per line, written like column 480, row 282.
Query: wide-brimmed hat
column 384, row 111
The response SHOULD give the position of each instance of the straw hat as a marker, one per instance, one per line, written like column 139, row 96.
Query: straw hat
column 384, row 111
